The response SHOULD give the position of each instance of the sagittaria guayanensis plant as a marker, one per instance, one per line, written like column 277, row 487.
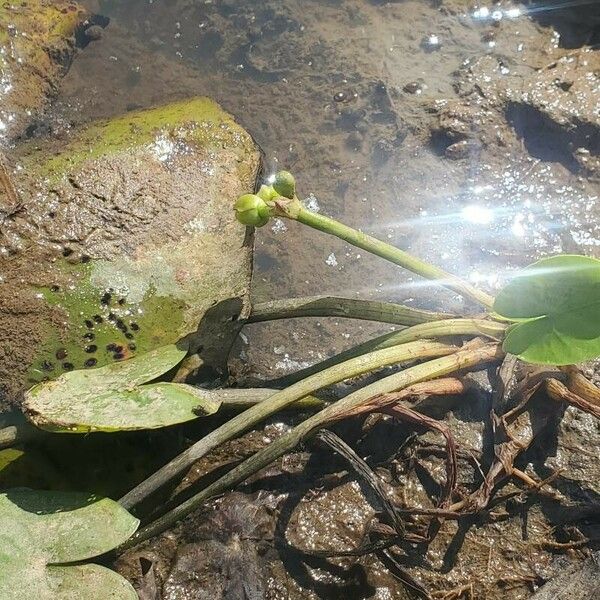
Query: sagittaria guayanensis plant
column 549, row 314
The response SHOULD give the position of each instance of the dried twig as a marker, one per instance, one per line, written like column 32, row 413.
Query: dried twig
column 560, row 392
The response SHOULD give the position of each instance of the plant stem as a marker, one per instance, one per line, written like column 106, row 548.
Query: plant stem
column 242, row 398
column 259, row 412
column 447, row 327
column 295, row 210
column 351, row 308
column 429, row 370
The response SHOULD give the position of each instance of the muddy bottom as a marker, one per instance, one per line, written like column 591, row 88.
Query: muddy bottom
column 467, row 134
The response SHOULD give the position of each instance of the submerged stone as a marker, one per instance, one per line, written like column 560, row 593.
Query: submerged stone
column 125, row 240
column 37, row 41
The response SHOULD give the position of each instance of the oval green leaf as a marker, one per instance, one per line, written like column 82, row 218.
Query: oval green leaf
column 112, row 398
column 557, row 304
column 41, row 532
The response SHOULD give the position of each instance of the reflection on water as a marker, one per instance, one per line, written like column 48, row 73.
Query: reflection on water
column 466, row 134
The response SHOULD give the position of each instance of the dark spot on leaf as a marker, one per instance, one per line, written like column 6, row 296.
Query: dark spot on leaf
column 98, row 319
column 55, row 288
column 112, row 316
column 68, row 366
column 47, row 366
column 129, row 336
column 132, row 346
column 111, row 347
column 89, row 324
column 85, row 258
column 67, row 252
column 121, row 301
column 119, row 356
column 89, row 336
column 134, row 326
column 91, row 348
column 61, row 354
column 90, row 362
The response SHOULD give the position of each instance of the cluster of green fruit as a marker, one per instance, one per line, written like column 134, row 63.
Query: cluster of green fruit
column 256, row 209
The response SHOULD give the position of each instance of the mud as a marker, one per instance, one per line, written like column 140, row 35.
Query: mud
column 309, row 502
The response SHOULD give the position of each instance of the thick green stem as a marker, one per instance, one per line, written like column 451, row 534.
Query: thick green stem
column 430, row 370
column 277, row 402
column 294, row 210
column 351, row 308
column 447, row 327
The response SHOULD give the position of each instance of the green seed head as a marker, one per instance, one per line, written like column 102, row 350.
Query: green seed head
column 251, row 210
column 285, row 184
column 267, row 193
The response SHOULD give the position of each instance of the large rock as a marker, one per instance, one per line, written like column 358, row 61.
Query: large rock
column 125, row 240
column 37, row 41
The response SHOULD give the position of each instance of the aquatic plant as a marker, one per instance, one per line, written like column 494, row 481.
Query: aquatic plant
column 548, row 314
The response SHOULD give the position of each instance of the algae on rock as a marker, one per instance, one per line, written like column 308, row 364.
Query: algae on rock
column 37, row 42
column 126, row 241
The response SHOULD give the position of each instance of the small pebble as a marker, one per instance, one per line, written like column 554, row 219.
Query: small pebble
column 94, row 33
column 413, row 87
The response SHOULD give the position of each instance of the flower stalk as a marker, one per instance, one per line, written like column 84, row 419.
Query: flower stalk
column 256, row 210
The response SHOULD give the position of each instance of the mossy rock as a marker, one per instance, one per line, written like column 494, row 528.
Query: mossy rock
column 37, row 42
column 127, row 241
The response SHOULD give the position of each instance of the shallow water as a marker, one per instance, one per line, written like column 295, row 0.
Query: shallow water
column 350, row 96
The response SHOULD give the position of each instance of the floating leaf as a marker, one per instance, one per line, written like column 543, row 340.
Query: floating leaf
column 560, row 299
column 41, row 532
column 112, row 398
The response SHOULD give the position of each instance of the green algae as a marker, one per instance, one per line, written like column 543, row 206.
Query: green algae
column 44, row 22
column 37, row 41
column 104, row 325
column 198, row 121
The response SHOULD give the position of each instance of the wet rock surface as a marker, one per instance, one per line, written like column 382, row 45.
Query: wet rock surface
column 124, row 242
column 37, row 43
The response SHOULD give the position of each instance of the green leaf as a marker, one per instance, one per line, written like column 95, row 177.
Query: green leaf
column 112, row 398
column 557, row 301
column 41, row 532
